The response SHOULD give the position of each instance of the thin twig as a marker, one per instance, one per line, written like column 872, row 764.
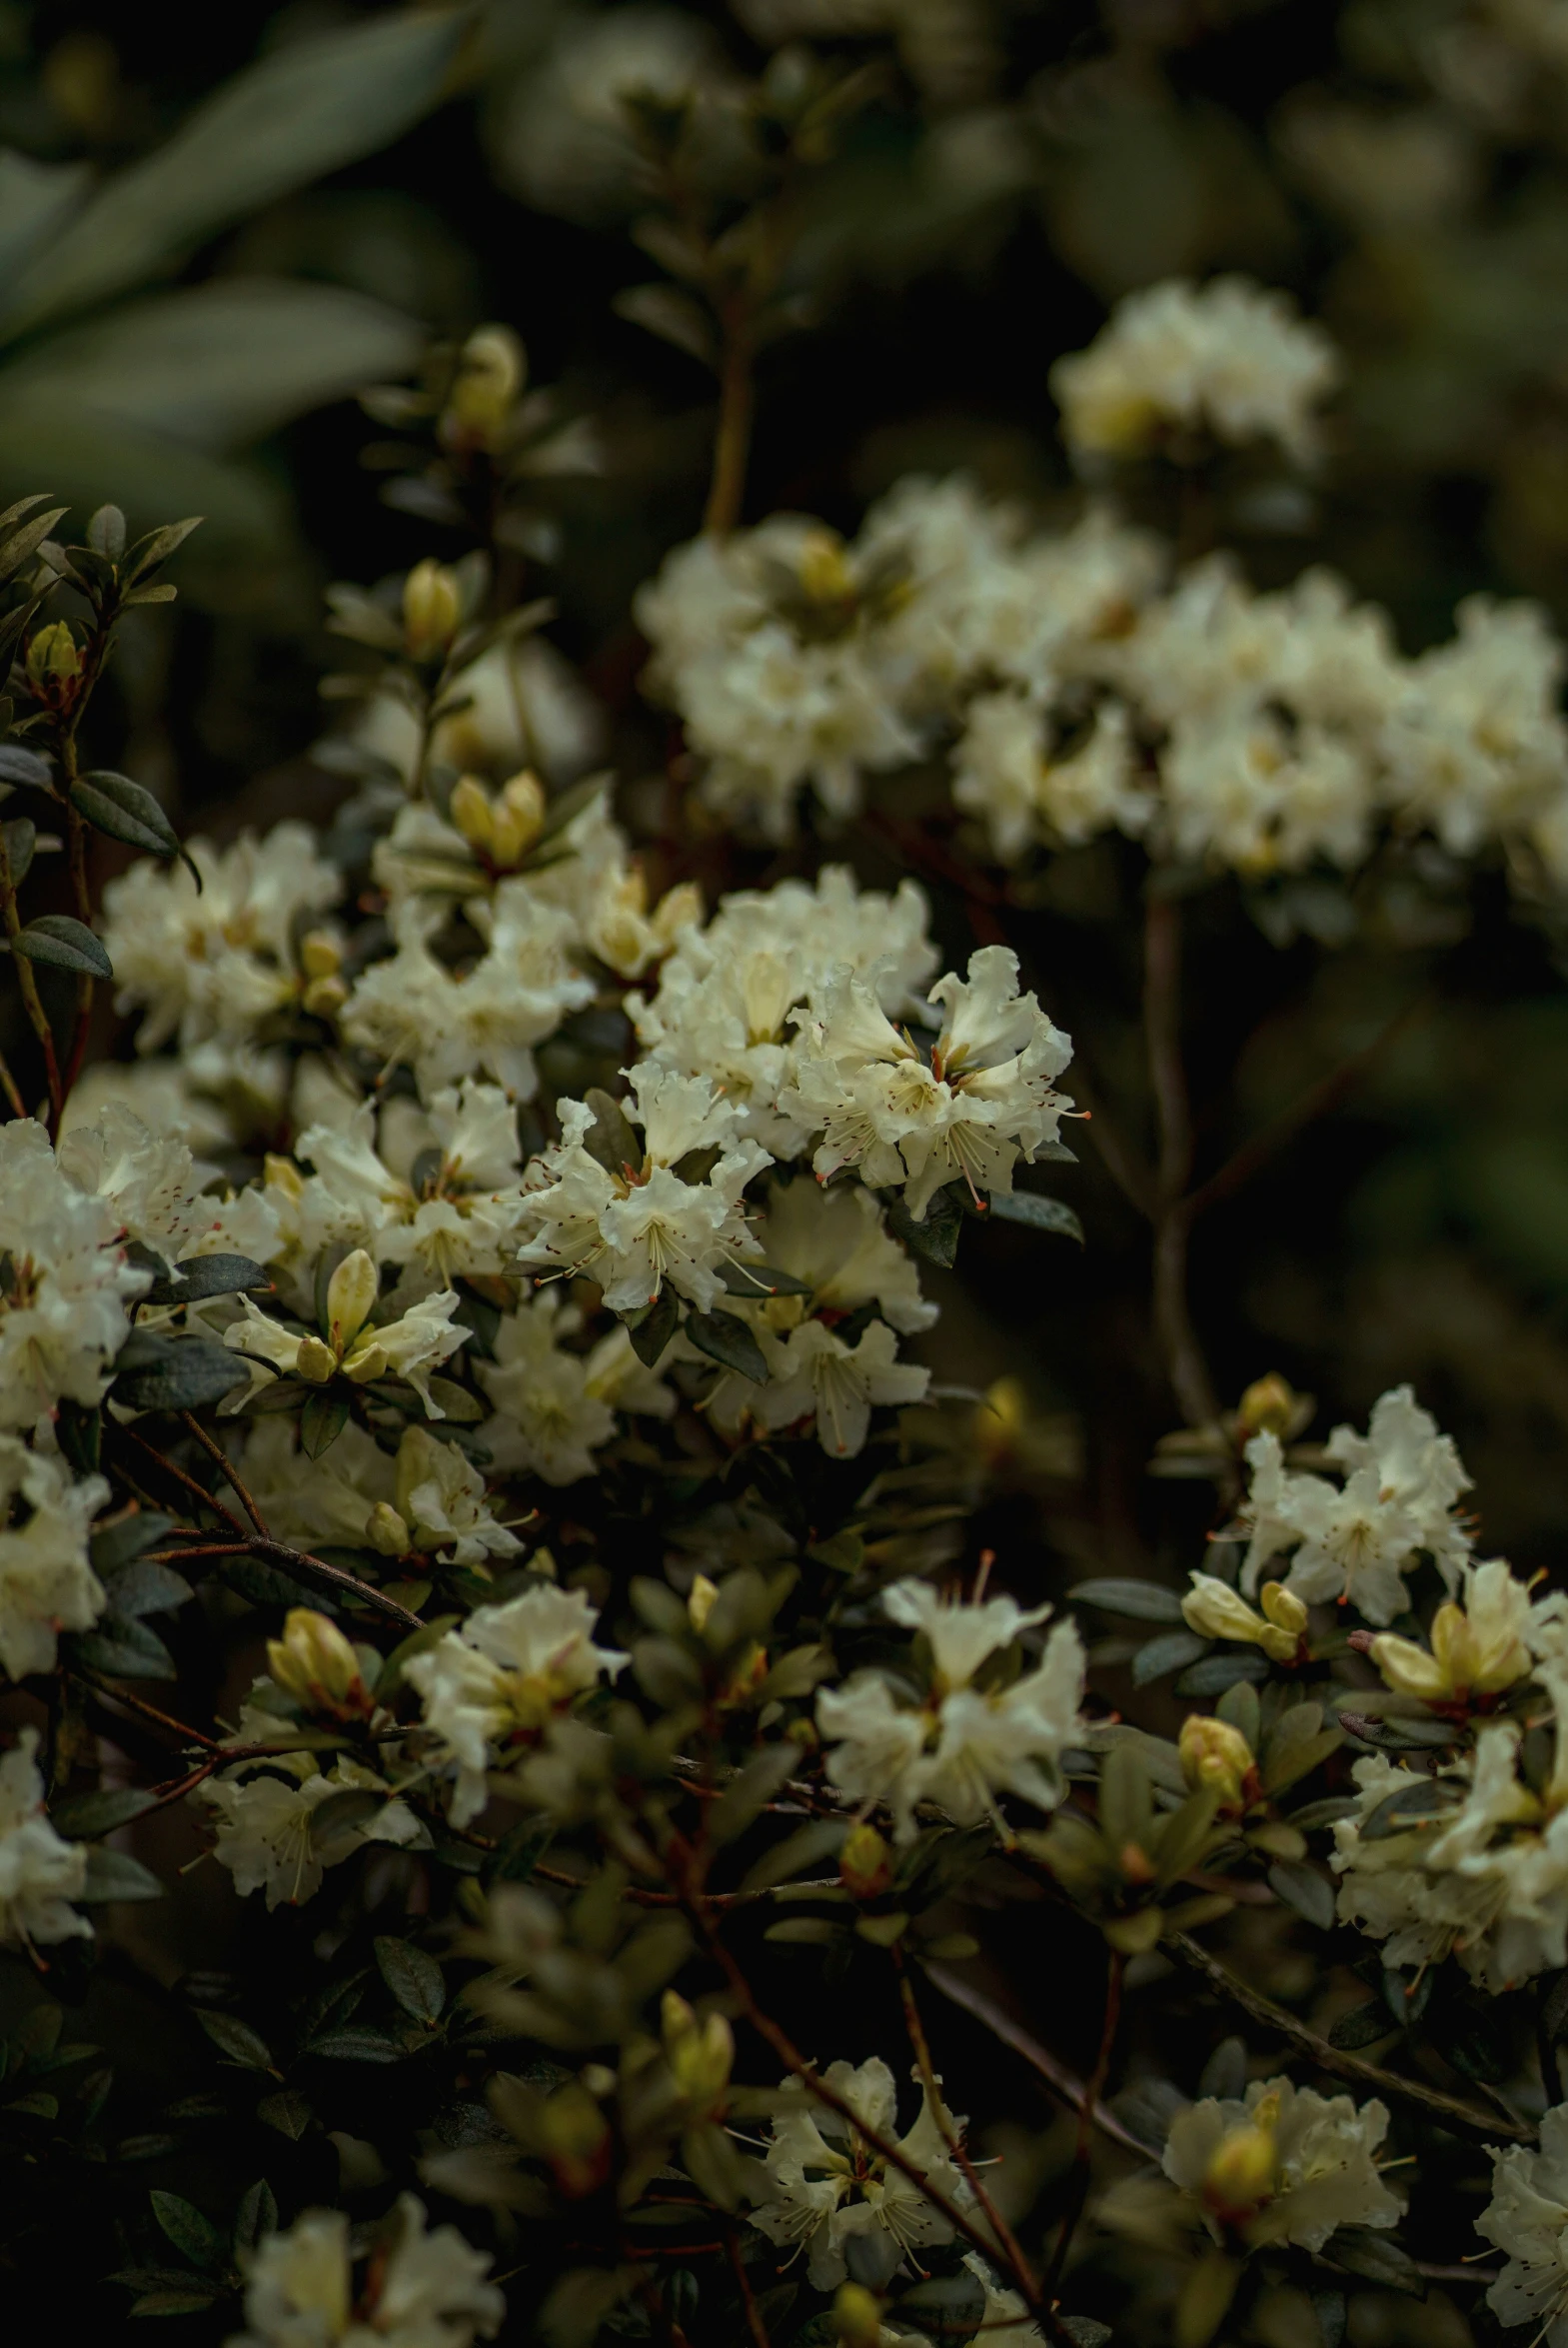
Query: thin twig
column 754, row 2314
column 1056, row 2074
column 300, row 1564
column 115, row 1695
column 199, row 1491
column 1314, row 1102
column 1093, row 2090
column 9, row 1087
column 1183, row 1357
column 736, row 401
column 227, row 1471
column 31, row 1001
column 1448, row 2110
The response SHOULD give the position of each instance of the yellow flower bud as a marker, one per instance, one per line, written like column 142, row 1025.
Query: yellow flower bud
column 470, row 810
column 857, row 2314
column 316, row 1363
column 576, row 2141
column 1214, row 1610
column 865, row 1863
column 518, row 817
column 699, row 1602
column 1243, row 2169
column 52, row 656
column 316, row 1665
column 492, row 370
column 699, row 2053
column 679, row 908
column 1267, row 1408
column 1000, row 1419
column 387, row 1533
column 365, row 1359
column 1409, row 1669
column 1217, row 1756
column 321, row 955
column 324, row 998
column 825, row 572
column 1284, row 1609
column 351, row 1296
column 432, row 610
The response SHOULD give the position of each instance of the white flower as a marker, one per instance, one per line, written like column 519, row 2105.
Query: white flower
column 309, row 1500
column 1004, row 2315
column 264, row 1815
column 427, row 2291
column 158, row 1192
column 450, row 1209
column 1402, row 1483
column 502, row 1678
column 827, row 2186
column 1229, row 356
column 554, row 1407
column 47, row 1584
column 1005, row 771
column 441, row 1498
column 353, row 1346
column 1527, row 2217
column 1283, row 2166
column 1476, row 745
column 643, row 1224
column 982, row 1101
column 221, row 961
column 817, row 1377
column 569, row 143
column 964, row 1745
column 64, row 1281
column 39, row 1873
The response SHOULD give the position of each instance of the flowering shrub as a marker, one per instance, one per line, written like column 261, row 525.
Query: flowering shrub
column 477, row 1458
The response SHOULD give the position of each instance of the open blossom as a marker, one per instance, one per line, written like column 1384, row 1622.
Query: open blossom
column 1229, row 356
column 221, row 961
column 1479, row 1646
column 555, row 1408
column 979, row 1102
column 158, row 1192
column 1284, row 2165
column 264, row 1815
column 47, row 1584
column 1402, row 1482
column 1476, row 746
column 964, row 1745
column 408, row 1347
column 66, row 1281
column 1527, row 2218
column 1005, row 767
column 441, row 1503
column 423, row 2290
column 826, row 2186
column 636, row 1227
column 502, row 1678
column 40, row 1875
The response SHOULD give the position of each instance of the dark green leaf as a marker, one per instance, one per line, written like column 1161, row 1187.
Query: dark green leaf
column 21, row 839
column 1143, row 1601
column 193, row 2235
column 106, row 533
column 1083, row 2331
column 1402, row 1735
column 1301, row 1888
column 1327, row 1812
column 725, row 1338
column 652, row 1330
column 125, row 811
column 287, row 2112
column 158, row 546
column 322, row 1420
column 235, row 2040
column 175, row 1373
column 126, row 1650
column 1159, row 1655
column 340, row 1812
column 1360, row 2251
column 610, row 1138
column 1425, row 1801
column 1215, row 1673
column 519, row 1853
column 413, row 1978
column 19, row 764
column 114, row 1874
column 1329, row 2308
column 188, row 2299
column 942, row 2307
column 257, row 2215
column 1362, row 2026
column 37, row 2107
column 936, row 1237
column 675, row 317
column 83, row 1816
column 356, row 2047
column 65, row 944
column 742, row 1278
column 123, row 1538
column 144, row 1588
column 80, row 1436
column 1038, row 1212
column 21, row 545
column 758, row 1783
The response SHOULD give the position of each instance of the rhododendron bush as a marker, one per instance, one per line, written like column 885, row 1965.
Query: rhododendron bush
column 638, row 1701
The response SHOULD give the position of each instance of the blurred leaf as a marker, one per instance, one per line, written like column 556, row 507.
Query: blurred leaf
column 35, row 199
column 1218, row 1673
column 145, row 1587
column 1376, row 2258
column 114, row 1874
column 1301, row 1888
column 257, row 2215
column 1158, row 1656
column 1362, row 2026
column 310, row 107
column 81, row 1816
column 1038, row 1212
column 675, row 317
column 126, row 1537
column 126, row 1650
column 1143, row 1601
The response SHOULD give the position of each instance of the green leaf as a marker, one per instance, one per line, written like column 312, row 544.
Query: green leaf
column 936, row 1237
column 125, row 811
column 83, row 1816
column 1363, row 2025
column 123, row 1538
column 287, row 2112
column 23, row 544
column 257, row 2215
column 35, row 199
column 725, row 1338
column 125, row 1650
column 1301, row 1888
column 21, row 839
column 1372, row 2255
column 193, row 2235
column 1330, row 2311
column 235, row 2040
column 1425, row 1801
column 1158, row 1656
column 610, row 1138
column 37, row 2107
column 1038, row 1212
column 322, row 1420
column 64, row 945
column 144, row 1588
column 188, row 2299
column 156, row 547
column 106, row 533
column 1143, row 1601
column 413, row 1978
column 24, row 767
column 1215, row 1673
column 356, row 2045
column 743, row 1277
column 675, row 317
column 652, row 1330
column 174, row 1373
column 114, row 1874
column 207, row 1276
column 943, row 2306
column 743, row 1798
column 309, row 107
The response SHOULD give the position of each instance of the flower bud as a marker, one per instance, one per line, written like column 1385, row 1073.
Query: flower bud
column 315, row 1664
column 53, row 658
column 576, row 2140
column 516, row 819
column 699, row 1602
column 321, row 955
column 857, row 2315
column 1217, row 1757
column 351, row 1296
column 1243, row 2167
column 1000, row 1419
column 699, row 2053
column 365, row 1359
column 387, row 1533
column 1267, row 1408
column 865, row 1863
column 825, row 573
column 316, row 1363
column 679, row 908
column 492, row 370
column 432, row 610
column 1284, row 1609
column 468, row 808
column 1212, row 1608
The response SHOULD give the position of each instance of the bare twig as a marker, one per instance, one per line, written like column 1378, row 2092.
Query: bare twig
column 1093, row 2090
column 1183, row 1357
column 225, row 1468
column 300, row 1564
column 198, row 1491
column 754, row 2314
column 736, row 402
column 1448, row 2110
column 1055, row 2075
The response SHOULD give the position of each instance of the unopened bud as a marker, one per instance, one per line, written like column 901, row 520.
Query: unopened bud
column 351, row 1296
column 1268, row 1407
column 679, row 908
column 1000, row 1419
column 315, row 1363
column 432, row 610
column 324, row 998
column 1284, row 1609
column 699, row 2053
column 1214, row 1610
column 699, row 1602
column 468, row 808
column 365, row 1359
column 865, row 1863
column 52, row 656
column 824, row 571
column 491, row 372
column 387, row 1533
column 518, row 817
column 576, row 2141
column 858, row 2316
column 321, row 955
column 1217, row 1757
column 316, row 1665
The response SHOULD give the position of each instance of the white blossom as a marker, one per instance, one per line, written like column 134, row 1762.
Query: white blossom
column 979, row 1102
column 426, row 2290
column 1006, row 770
column 40, row 1875
column 962, row 1746
column 1229, row 356
column 1527, row 2217
column 47, row 1584
column 569, row 144
column 263, row 1814
column 502, row 1677
column 409, row 1345
column 1283, row 2164
column 441, row 1500
column 65, row 1282
column 556, row 1407
column 827, row 2186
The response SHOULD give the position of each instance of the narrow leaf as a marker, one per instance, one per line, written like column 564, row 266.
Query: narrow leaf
column 65, row 944
column 1038, row 1212
column 193, row 2234
column 207, row 1276
column 725, row 1338
column 235, row 2040
column 1143, row 1601
column 114, row 1874
column 83, row 1816
column 125, row 811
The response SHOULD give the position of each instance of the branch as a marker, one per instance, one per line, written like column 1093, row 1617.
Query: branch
column 1447, row 2110
column 225, row 1468
column 754, row 2314
column 303, row 1565
column 1013, row 2034
column 1095, row 2088
column 1183, row 1357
